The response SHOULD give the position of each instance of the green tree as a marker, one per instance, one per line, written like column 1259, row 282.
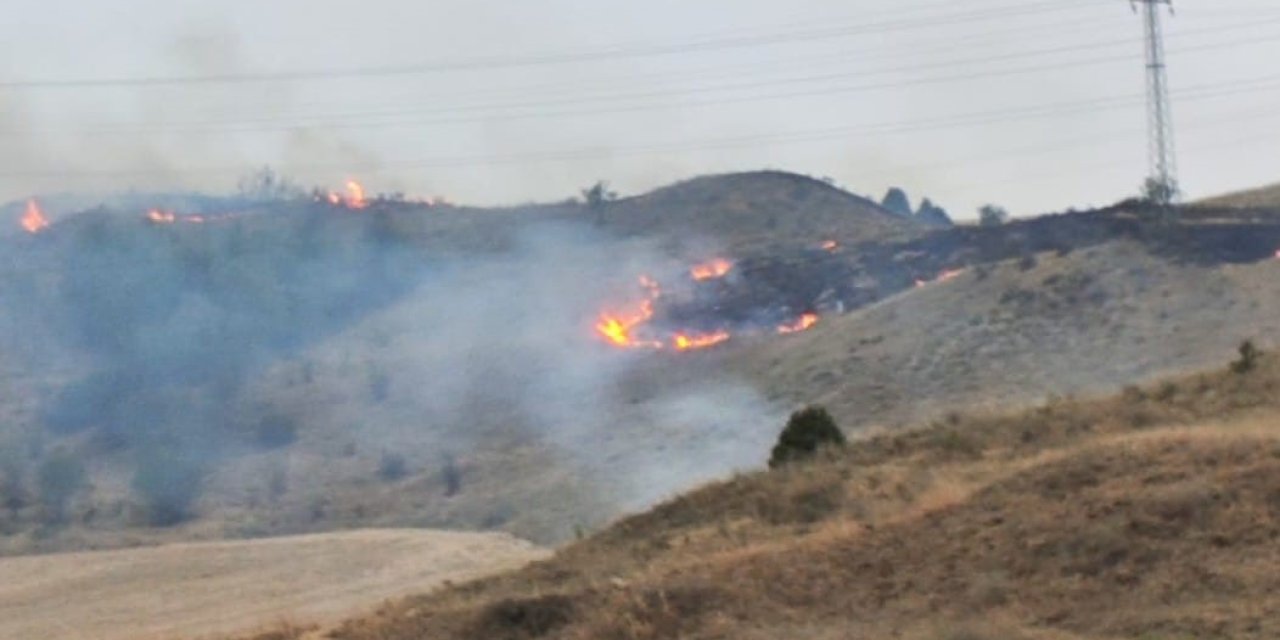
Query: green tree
column 1249, row 354
column 597, row 197
column 990, row 215
column 1161, row 192
column 897, row 202
column 807, row 431
column 265, row 185
column 932, row 214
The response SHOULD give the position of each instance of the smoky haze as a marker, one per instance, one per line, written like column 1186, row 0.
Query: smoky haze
column 189, row 361
column 1035, row 105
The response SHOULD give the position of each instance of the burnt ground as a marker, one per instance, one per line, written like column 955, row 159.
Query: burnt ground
column 769, row 287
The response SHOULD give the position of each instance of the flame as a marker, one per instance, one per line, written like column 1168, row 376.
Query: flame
column 803, row 323
column 830, row 246
column 712, row 270
column 355, row 195
column 353, row 199
column 684, row 342
column 33, row 221
column 162, row 217
column 618, row 328
column 948, row 274
column 625, row 329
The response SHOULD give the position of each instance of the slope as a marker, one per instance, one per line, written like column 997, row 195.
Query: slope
column 1153, row 513
column 1017, row 331
column 744, row 211
column 1268, row 196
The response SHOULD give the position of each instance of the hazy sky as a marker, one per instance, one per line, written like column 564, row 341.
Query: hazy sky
column 1032, row 104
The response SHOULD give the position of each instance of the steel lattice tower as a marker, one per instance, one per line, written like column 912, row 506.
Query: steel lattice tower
column 1162, row 181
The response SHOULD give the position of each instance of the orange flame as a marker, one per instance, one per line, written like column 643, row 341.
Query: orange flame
column 683, row 342
column 33, row 221
column 162, row 217
column 352, row 199
column 803, row 323
column 619, row 328
column 712, row 270
column 355, row 195
column 949, row 274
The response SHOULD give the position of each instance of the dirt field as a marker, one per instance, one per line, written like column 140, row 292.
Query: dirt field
column 196, row 590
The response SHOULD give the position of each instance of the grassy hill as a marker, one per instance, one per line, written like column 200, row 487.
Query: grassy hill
column 1268, row 197
column 1149, row 514
column 758, row 209
column 294, row 366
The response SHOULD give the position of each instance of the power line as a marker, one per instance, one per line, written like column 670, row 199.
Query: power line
column 598, row 55
column 472, row 116
column 828, row 134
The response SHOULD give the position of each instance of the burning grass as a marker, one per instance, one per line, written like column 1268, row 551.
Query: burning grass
column 1151, row 512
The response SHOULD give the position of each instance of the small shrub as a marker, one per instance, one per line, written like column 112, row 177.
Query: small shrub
column 452, row 476
column 807, row 431
column 392, row 467
column 1249, row 354
column 953, row 442
column 13, row 492
column 1167, row 391
column 524, row 618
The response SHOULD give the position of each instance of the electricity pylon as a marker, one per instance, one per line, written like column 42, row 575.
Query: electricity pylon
column 1162, row 179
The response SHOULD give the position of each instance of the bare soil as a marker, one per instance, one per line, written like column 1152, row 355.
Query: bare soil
column 196, row 590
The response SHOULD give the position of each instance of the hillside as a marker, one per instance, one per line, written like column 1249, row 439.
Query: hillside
column 1268, row 196
column 1020, row 330
column 307, row 368
column 750, row 210
column 228, row 587
column 1152, row 513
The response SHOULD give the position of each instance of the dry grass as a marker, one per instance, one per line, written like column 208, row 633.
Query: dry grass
column 1268, row 196
column 1151, row 514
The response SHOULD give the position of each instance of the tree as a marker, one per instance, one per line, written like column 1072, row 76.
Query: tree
column 598, row 196
column 897, row 202
column 931, row 214
column 1249, row 355
column 265, row 185
column 807, row 431
column 59, row 478
column 13, row 493
column 1158, row 191
column 168, row 479
column 990, row 215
